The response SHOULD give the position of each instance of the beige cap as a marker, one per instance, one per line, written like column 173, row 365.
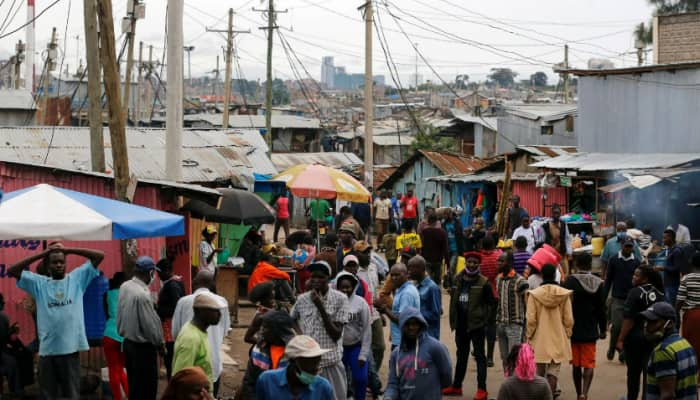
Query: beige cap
column 204, row 300
column 303, row 346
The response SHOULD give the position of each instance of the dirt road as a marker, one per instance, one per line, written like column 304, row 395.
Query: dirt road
column 608, row 384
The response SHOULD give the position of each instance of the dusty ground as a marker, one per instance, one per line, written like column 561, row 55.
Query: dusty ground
column 608, row 384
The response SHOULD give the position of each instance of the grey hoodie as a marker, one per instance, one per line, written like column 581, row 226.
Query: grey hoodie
column 358, row 328
column 418, row 371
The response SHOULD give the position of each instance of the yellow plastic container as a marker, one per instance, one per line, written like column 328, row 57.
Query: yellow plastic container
column 461, row 263
column 598, row 244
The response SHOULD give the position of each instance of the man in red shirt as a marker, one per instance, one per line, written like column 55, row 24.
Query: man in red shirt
column 489, row 269
column 409, row 206
column 282, row 207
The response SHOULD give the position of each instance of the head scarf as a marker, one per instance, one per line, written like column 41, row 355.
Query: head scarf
column 184, row 381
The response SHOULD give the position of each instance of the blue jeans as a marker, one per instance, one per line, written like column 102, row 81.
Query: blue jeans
column 351, row 356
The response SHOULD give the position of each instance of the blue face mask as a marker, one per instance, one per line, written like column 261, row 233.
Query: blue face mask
column 621, row 235
column 305, row 377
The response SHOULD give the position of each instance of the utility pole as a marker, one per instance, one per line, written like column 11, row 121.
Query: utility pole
column 227, row 76
column 18, row 58
column 174, row 96
column 566, row 74
column 189, row 49
column 130, row 35
column 369, row 100
column 416, row 64
column 137, row 114
column 117, row 128
column 29, row 73
column 216, row 79
column 149, row 88
column 50, row 66
column 77, row 49
column 97, row 150
column 271, row 26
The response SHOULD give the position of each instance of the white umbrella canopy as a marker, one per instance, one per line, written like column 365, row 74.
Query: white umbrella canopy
column 49, row 213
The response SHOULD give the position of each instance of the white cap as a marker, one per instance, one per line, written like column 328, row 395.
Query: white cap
column 303, row 346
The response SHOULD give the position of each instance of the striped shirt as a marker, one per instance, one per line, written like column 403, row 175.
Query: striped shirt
column 673, row 357
column 689, row 291
column 511, row 299
column 520, row 259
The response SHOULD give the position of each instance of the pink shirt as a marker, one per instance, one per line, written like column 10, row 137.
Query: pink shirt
column 283, row 207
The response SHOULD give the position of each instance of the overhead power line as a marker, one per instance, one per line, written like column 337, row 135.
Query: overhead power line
column 30, row 21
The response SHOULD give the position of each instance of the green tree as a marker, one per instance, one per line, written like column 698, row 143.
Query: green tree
column 504, row 77
column 280, row 94
column 428, row 139
column 644, row 32
column 538, row 79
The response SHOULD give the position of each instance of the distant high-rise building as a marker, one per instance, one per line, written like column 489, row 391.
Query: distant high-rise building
column 328, row 72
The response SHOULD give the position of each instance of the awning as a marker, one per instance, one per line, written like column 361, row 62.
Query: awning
column 641, row 179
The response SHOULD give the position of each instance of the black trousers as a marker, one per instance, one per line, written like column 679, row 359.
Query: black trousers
column 464, row 339
column 636, row 357
column 141, row 370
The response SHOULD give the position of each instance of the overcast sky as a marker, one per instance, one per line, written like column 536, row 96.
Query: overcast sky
column 455, row 36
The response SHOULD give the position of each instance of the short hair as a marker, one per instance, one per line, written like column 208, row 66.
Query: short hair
column 630, row 223
column 556, row 207
column 584, row 261
column 262, row 291
column 695, row 260
column 488, row 243
column 549, row 272
column 164, row 265
column 331, row 239
column 432, row 218
column 521, row 242
column 392, row 228
column 670, row 232
column 407, row 225
column 646, row 230
column 509, row 258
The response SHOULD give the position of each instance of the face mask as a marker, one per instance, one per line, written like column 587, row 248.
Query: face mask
column 657, row 336
column 621, row 235
column 305, row 377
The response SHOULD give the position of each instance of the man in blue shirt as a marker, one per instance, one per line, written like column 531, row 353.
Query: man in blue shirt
column 60, row 318
column 430, row 295
column 406, row 295
column 299, row 380
column 673, row 267
column 614, row 245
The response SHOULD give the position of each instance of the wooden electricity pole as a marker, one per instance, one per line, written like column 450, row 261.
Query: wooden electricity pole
column 227, row 75
column 369, row 99
column 271, row 26
column 131, row 34
column 50, row 66
column 137, row 114
column 97, row 150
column 117, row 128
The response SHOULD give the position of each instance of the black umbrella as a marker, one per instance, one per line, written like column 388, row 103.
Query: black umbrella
column 236, row 207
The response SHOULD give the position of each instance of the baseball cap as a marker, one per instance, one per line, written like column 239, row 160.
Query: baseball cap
column 145, row 263
column 362, row 246
column 320, row 266
column 303, row 346
column 350, row 258
column 211, row 229
column 348, row 226
column 661, row 310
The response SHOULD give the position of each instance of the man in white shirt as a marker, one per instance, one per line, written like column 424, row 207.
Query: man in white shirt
column 184, row 311
column 382, row 215
column 682, row 233
column 534, row 235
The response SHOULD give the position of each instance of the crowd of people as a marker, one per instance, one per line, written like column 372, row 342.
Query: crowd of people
column 321, row 334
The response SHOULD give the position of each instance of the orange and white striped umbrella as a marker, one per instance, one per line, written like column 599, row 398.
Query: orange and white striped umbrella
column 321, row 182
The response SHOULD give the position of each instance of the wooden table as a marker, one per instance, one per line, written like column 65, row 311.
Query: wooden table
column 227, row 285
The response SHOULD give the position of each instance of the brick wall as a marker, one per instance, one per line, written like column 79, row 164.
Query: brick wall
column 677, row 38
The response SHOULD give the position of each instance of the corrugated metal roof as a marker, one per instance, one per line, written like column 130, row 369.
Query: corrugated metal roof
column 489, row 122
column 393, row 140
column 450, row 163
column 547, row 112
column 381, row 174
column 548, row 151
column 284, row 161
column 634, row 70
column 616, row 161
column 207, row 155
column 493, row 177
column 17, row 100
column 257, row 121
